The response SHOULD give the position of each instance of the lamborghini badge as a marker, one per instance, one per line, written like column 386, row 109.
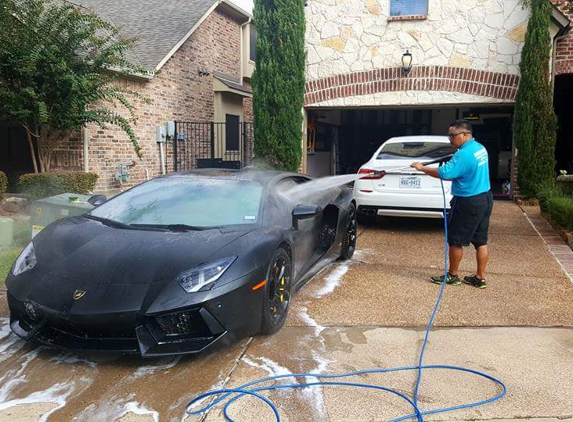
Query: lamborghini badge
column 78, row 294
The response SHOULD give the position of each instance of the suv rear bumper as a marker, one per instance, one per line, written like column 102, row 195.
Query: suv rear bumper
column 372, row 211
column 401, row 205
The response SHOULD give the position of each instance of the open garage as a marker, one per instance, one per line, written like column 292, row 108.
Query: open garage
column 340, row 140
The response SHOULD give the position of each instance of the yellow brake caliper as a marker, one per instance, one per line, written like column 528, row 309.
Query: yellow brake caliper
column 281, row 296
column 282, row 289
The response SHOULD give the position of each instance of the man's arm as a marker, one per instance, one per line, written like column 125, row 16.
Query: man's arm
column 430, row 171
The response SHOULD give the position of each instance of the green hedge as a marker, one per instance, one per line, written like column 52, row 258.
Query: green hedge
column 546, row 191
column 3, row 183
column 560, row 211
column 42, row 185
column 556, row 203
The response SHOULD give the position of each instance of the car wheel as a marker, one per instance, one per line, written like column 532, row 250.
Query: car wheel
column 349, row 240
column 276, row 300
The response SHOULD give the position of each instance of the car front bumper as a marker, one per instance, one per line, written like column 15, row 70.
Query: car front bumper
column 219, row 321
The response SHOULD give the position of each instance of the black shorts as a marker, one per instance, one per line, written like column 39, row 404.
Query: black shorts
column 469, row 219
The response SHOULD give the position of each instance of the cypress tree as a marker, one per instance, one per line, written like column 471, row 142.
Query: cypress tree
column 535, row 122
column 278, row 81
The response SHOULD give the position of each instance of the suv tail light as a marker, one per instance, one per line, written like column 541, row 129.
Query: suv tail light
column 371, row 174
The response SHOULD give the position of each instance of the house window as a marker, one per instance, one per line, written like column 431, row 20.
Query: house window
column 252, row 43
column 408, row 7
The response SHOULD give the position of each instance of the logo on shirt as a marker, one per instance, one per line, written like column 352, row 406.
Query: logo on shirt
column 481, row 157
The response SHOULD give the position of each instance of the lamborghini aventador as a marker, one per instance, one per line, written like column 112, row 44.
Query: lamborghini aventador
column 180, row 263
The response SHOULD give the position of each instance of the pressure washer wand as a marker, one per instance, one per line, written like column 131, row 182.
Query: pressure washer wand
column 427, row 163
column 439, row 160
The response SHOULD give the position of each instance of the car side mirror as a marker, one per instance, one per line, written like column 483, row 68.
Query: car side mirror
column 96, row 200
column 304, row 212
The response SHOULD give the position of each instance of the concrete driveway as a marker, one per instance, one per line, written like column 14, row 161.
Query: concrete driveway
column 368, row 313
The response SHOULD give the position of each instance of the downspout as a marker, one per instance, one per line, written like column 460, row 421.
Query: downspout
column 86, row 148
column 242, row 49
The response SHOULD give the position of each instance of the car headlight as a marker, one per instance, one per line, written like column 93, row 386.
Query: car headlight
column 204, row 275
column 26, row 261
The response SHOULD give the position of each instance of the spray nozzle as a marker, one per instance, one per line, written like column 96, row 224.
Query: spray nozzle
column 368, row 174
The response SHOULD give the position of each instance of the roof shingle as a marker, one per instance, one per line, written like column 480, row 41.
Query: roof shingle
column 157, row 25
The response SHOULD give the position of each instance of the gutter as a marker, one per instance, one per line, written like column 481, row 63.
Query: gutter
column 236, row 8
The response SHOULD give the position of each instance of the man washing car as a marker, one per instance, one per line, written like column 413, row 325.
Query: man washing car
column 471, row 205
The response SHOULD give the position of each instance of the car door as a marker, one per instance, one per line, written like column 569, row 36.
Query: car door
column 306, row 237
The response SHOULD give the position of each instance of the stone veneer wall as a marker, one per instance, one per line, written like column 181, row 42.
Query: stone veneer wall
column 177, row 92
column 350, row 38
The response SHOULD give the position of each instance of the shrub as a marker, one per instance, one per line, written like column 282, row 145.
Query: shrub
column 560, row 211
column 3, row 183
column 41, row 185
column 547, row 190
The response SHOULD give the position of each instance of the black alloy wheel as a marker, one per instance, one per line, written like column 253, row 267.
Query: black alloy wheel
column 349, row 240
column 277, row 292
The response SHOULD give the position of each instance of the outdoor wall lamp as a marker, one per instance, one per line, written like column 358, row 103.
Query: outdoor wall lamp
column 407, row 62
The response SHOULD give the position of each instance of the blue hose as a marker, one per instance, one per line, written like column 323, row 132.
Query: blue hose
column 245, row 389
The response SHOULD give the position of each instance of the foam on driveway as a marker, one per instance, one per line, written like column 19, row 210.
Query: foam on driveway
column 38, row 381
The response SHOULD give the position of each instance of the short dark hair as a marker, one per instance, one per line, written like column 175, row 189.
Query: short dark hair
column 462, row 124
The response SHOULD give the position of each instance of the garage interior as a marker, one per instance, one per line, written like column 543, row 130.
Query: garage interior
column 341, row 140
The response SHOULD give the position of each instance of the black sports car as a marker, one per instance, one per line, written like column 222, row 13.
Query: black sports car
column 179, row 263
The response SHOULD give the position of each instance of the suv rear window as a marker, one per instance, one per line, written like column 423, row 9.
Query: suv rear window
column 417, row 150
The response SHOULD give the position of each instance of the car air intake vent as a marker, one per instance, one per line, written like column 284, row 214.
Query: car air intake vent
column 183, row 324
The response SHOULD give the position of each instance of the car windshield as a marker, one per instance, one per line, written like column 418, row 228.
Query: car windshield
column 421, row 150
column 196, row 202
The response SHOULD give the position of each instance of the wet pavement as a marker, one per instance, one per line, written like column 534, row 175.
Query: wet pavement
column 367, row 313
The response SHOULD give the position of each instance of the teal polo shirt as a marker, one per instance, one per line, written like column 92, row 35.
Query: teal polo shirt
column 468, row 170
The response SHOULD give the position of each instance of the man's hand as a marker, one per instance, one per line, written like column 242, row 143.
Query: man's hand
column 430, row 171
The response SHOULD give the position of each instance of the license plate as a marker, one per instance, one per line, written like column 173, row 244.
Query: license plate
column 412, row 182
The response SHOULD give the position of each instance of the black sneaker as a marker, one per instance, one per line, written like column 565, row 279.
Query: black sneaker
column 452, row 280
column 473, row 280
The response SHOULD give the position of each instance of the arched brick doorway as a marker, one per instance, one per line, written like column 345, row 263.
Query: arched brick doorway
column 493, row 85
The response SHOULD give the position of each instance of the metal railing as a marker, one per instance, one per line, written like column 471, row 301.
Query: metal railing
column 212, row 145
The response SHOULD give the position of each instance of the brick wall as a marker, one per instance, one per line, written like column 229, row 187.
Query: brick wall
column 177, row 92
column 564, row 56
column 501, row 86
column 564, row 53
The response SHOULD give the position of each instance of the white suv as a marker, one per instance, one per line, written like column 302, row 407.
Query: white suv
column 395, row 189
